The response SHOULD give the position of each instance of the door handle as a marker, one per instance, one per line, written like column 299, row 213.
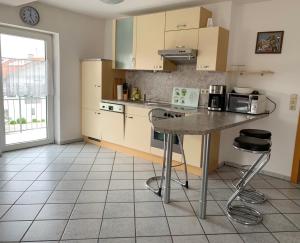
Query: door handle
column 181, row 25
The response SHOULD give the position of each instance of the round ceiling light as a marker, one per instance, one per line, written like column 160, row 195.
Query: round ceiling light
column 112, row 1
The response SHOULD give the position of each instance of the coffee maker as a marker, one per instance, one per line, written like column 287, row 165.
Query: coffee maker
column 217, row 98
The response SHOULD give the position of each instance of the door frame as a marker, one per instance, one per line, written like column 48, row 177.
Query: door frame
column 48, row 38
column 295, row 175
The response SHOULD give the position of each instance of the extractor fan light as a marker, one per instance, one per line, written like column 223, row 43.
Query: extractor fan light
column 112, row 1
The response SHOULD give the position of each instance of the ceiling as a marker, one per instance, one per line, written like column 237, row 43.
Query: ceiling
column 15, row 2
column 128, row 7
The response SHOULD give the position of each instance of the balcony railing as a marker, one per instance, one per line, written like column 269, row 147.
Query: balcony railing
column 24, row 113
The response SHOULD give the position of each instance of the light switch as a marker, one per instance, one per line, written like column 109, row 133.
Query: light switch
column 293, row 102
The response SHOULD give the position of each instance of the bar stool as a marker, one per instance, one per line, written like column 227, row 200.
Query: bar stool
column 242, row 213
column 161, row 178
column 249, row 194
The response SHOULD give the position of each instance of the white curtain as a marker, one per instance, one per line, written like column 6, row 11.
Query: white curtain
column 24, row 77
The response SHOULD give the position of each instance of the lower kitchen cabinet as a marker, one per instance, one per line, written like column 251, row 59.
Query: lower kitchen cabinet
column 137, row 132
column 112, row 127
column 91, row 123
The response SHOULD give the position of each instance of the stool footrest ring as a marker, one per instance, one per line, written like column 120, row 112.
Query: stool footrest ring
column 252, row 196
column 244, row 214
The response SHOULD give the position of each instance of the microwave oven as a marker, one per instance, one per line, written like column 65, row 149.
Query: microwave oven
column 254, row 104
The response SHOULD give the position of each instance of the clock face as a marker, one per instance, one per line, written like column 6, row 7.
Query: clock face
column 29, row 15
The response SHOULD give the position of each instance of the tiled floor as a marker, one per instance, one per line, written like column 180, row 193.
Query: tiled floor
column 80, row 192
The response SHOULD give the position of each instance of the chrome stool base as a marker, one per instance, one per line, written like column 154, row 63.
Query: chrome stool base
column 244, row 214
column 252, row 196
column 159, row 190
column 249, row 194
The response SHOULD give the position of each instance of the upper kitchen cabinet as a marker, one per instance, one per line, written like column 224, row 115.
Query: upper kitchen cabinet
column 150, row 37
column 124, row 37
column 212, row 49
column 182, row 39
column 187, row 18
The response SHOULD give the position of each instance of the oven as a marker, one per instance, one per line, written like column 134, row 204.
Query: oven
column 157, row 138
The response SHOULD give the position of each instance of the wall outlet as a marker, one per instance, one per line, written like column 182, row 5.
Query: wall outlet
column 293, row 102
column 204, row 91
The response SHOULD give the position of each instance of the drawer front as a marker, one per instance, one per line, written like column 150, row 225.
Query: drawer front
column 188, row 18
column 182, row 39
column 133, row 110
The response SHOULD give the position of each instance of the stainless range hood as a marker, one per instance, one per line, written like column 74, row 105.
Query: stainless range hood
column 180, row 55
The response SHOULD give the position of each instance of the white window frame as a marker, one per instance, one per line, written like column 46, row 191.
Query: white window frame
column 48, row 38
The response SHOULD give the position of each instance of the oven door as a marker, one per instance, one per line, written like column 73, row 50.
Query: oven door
column 238, row 103
column 157, row 141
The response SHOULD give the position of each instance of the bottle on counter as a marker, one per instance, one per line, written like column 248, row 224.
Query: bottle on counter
column 136, row 94
column 125, row 91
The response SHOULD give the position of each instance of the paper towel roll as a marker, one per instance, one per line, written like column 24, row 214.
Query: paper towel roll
column 120, row 92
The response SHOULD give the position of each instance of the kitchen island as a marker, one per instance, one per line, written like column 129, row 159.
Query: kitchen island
column 204, row 123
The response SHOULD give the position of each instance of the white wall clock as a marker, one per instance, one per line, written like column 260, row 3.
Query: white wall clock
column 29, row 15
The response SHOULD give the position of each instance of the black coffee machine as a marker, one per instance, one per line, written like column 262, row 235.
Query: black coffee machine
column 217, row 98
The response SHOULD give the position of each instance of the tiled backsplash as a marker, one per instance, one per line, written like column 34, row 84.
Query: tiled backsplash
column 159, row 85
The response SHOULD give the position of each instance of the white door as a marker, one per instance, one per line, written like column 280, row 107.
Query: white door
column 26, row 89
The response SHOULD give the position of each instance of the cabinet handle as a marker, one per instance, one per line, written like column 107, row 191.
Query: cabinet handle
column 203, row 66
column 130, row 117
column 181, row 25
column 97, row 113
column 180, row 46
column 97, row 86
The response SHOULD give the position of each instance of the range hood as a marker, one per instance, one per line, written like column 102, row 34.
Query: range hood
column 179, row 55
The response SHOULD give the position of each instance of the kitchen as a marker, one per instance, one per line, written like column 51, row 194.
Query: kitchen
column 165, row 100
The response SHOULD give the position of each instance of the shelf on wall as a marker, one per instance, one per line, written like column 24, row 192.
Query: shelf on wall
column 245, row 72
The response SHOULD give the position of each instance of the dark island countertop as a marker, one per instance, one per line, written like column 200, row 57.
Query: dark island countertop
column 204, row 122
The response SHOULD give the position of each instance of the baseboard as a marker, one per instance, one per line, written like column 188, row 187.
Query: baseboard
column 268, row 173
column 76, row 140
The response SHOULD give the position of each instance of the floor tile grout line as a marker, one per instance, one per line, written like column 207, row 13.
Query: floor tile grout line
column 195, row 212
column 164, row 205
column 22, row 192
column 271, row 204
column 105, row 201
column 40, row 208
column 134, row 205
column 74, row 205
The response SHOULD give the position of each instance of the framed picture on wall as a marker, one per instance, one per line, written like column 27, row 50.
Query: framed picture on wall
column 269, row 42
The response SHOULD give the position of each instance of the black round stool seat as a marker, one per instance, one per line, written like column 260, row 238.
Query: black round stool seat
column 256, row 133
column 252, row 144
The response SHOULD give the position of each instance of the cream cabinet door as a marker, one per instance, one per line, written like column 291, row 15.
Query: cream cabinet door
column 212, row 49
column 150, row 33
column 91, row 84
column 112, row 126
column 187, row 18
column 91, row 123
column 182, row 39
column 192, row 149
column 137, row 132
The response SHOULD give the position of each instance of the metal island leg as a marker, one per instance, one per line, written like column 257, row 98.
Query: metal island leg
column 168, row 170
column 204, row 163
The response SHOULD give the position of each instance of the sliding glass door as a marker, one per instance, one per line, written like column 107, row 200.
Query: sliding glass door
column 26, row 88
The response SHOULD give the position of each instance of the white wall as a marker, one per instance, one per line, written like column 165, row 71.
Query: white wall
column 79, row 36
column 248, row 19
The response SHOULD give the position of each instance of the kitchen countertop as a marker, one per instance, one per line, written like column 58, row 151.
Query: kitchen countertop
column 204, row 122
column 157, row 104
column 201, row 122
